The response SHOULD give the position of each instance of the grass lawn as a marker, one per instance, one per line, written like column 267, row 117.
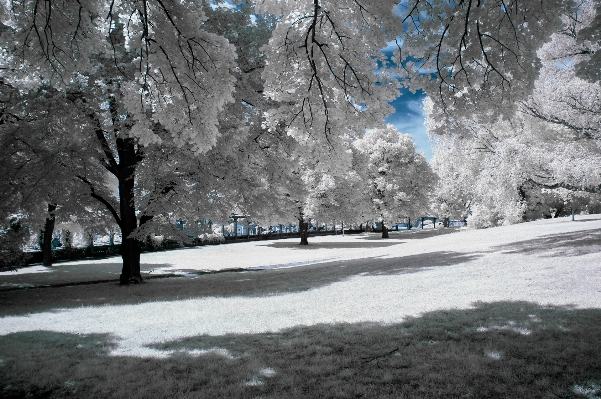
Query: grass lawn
column 513, row 312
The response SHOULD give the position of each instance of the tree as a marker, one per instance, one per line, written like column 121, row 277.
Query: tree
column 133, row 69
column 337, row 196
column 159, row 50
column 482, row 53
column 452, row 196
column 143, row 76
column 479, row 51
column 155, row 175
column 398, row 180
column 292, row 188
column 587, row 39
column 476, row 183
column 468, row 56
column 299, row 184
column 322, row 57
column 331, row 195
column 565, row 101
column 37, row 152
column 495, row 171
column 12, row 239
column 517, row 167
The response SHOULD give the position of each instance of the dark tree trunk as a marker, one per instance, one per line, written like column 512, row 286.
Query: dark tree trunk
column 446, row 222
column 304, row 231
column 148, row 240
column 47, row 238
column 384, row 230
column 130, row 248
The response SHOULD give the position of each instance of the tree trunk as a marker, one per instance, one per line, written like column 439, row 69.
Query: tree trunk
column 148, row 243
column 384, row 230
column 303, row 227
column 47, row 239
column 130, row 248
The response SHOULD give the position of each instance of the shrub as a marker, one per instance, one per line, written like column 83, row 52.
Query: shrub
column 12, row 240
column 213, row 238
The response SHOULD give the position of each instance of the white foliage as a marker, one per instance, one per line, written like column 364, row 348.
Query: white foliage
column 321, row 63
column 169, row 66
column 212, row 238
column 481, row 52
column 398, row 180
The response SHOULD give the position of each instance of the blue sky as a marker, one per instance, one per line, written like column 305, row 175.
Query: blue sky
column 409, row 118
column 409, row 115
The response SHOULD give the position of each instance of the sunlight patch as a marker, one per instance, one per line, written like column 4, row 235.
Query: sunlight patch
column 27, row 270
column 267, row 372
column 519, row 330
column 591, row 390
column 147, row 352
column 168, row 271
column 496, row 355
column 163, row 270
column 253, row 382
column 216, row 351
column 534, row 318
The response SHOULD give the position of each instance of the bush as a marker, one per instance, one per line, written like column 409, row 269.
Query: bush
column 155, row 243
column 12, row 240
column 213, row 238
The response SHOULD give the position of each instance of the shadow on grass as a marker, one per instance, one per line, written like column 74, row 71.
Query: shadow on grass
column 47, row 364
column 496, row 350
column 360, row 242
column 249, row 283
column 423, row 233
column 66, row 275
column 586, row 218
column 370, row 240
column 566, row 244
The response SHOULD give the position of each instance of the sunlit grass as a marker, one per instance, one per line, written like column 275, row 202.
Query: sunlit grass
column 498, row 349
column 460, row 353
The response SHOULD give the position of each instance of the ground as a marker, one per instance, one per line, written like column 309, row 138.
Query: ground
column 513, row 311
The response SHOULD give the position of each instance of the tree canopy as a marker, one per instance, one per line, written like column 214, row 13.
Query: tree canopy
column 156, row 110
column 513, row 167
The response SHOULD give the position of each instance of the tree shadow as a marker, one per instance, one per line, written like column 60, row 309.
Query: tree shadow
column 69, row 275
column 223, row 284
column 586, row 218
column 361, row 242
column 365, row 240
column 423, row 233
column 48, row 364
column 499, row 349
column 566, row 244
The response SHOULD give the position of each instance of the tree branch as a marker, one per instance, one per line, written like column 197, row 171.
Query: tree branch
column 98, row 197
